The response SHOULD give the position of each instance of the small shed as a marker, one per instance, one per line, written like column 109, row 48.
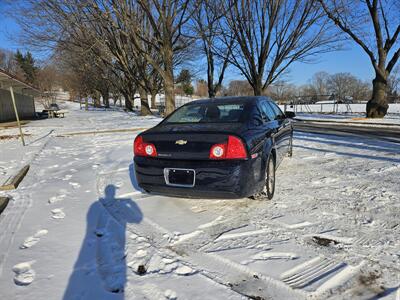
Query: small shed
column 24, row 94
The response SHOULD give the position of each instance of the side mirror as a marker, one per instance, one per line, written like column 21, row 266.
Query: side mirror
column 290, row 114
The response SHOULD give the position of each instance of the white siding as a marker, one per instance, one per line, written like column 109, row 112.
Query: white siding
column 25, row 106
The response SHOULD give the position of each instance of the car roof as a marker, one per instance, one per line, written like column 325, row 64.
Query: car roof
column 228, row 100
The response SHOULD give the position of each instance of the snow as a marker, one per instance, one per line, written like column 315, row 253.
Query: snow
column 58, row 213
column 78, row 226
column 352, row 119
column 33, row 240
column 274, row 255
column 394, row 108
column 184, row 270
column 24, row 274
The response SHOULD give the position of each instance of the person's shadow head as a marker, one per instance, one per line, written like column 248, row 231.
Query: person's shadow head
column 110, row 191
column 123, row 209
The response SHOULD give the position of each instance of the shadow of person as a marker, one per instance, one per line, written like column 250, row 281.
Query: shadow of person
column 100, row 270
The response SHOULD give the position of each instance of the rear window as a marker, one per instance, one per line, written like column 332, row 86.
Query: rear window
column 208, row 113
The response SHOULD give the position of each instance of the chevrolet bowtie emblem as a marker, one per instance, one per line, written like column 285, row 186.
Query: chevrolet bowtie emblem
column 181, row 142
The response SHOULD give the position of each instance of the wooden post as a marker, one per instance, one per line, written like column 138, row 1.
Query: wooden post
column 16, row 115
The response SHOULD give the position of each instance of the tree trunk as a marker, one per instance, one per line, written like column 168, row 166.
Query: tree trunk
column 128, row 102
column 144, row 103
column 169, row 82
column 105, row 94
column 153, row 100
column 211, row 87
column 96, row 100
column 210, row 75
column 377, row 107
column 211, row 92
column 257, row 87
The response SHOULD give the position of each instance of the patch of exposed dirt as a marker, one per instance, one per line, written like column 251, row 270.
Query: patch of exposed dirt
column 324, row 241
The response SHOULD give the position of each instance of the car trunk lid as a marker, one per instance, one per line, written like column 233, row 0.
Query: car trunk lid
column 189, row 141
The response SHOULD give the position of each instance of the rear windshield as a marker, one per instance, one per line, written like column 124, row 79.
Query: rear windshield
column 208, row 113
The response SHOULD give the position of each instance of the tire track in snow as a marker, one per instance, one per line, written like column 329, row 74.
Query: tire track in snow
column 210, row 264
column 234, row 276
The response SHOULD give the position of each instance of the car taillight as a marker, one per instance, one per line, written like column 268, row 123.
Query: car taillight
column 218, row 151
column 141, row 148
column 233, row 149
column 236, row 148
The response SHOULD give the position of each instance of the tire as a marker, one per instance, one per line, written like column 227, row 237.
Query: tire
column 269, row 185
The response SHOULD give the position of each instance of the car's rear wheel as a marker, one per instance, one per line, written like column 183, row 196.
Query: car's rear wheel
column 269, row 185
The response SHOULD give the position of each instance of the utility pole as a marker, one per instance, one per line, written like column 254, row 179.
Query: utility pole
column 16, row 115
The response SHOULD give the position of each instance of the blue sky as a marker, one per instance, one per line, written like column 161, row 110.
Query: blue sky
column 352, row 60
column 8, row 30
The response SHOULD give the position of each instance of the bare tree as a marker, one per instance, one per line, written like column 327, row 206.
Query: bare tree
column 99, row 29
column 319, row 83
column 166, row 19
column 375, row 26
column 207, row 29
column 201, row 88
column 9, row 64
column 393, row 87
column 93, row 77
column 345, row 87
column 269, row 35
column 238, row 88
column 48, row 81
column 281, row 91
column 145, row 38
column 114, row 23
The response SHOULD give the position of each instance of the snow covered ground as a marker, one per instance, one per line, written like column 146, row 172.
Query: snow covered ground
column 394, row 108
column 388, row 120
column 78, row 227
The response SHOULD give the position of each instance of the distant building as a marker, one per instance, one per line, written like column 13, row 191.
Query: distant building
column 24, row 97
column 58, row 94
column 179, row 100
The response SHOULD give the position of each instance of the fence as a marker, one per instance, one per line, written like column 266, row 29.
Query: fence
column 335, row 108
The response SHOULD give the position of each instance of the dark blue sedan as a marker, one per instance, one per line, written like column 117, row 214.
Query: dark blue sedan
column 215, row 148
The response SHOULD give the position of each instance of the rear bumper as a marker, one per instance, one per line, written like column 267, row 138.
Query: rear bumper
column 214, row 179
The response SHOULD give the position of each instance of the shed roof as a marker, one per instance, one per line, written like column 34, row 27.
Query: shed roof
column 18, row 85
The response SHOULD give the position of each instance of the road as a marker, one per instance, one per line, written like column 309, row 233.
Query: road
column 383, row 133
